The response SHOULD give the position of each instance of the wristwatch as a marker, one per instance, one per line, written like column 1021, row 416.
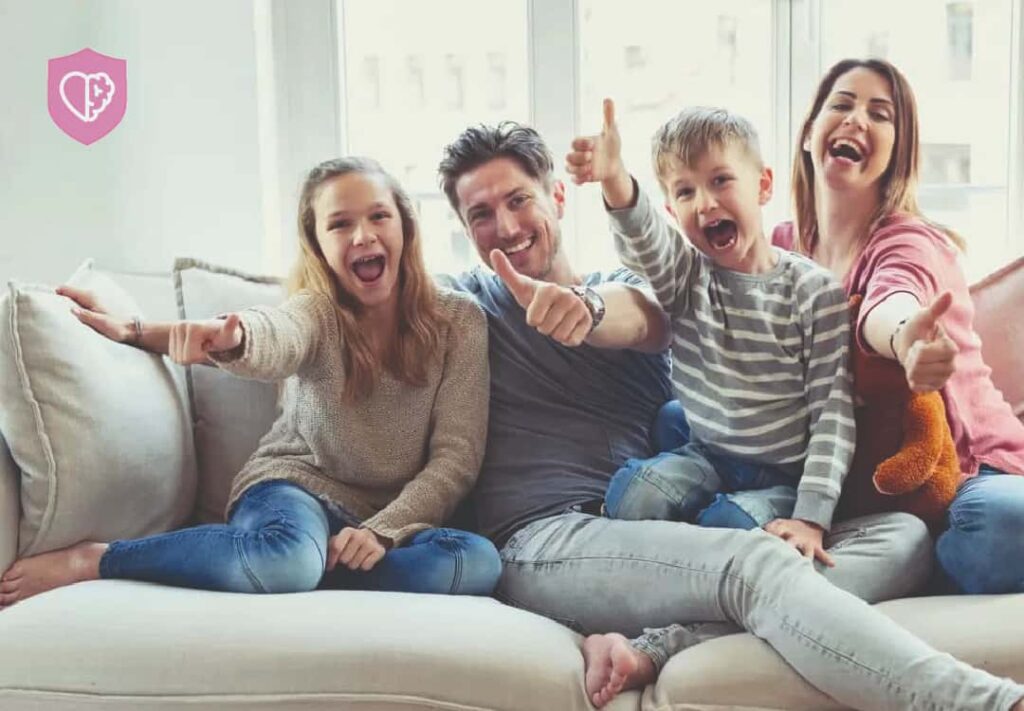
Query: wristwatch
column 593, row 301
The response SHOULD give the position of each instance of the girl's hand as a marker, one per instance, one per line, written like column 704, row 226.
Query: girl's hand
column 805, row 537
column 192, row 341
column 92, row 314
column 355, row 548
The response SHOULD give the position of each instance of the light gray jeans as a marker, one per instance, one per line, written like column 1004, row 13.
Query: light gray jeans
column 596, row 574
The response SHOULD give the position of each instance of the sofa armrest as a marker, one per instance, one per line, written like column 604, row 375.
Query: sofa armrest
column 10, row 507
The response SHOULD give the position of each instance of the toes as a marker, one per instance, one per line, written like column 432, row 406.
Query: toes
column 8, row 599
column 14, row 572
column 9, row 586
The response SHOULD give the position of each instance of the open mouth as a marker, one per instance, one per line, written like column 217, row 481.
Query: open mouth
column 720, row 234
column 520, row 246
column 843, row 148
column 369, row 269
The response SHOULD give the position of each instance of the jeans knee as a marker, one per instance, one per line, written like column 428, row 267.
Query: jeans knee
column 724, row 513
column 463, row 564
column 670, row 429
column 285, row 560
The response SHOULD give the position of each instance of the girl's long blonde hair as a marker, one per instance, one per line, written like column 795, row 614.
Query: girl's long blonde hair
column 419, row 315
column 899, row 182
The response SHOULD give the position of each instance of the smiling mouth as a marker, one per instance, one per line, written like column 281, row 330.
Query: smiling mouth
column 846, row 149
column 521, row 246
column 369, row 269
column 721, row 234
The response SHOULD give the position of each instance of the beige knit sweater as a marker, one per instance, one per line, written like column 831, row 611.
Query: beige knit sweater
column 400, row 460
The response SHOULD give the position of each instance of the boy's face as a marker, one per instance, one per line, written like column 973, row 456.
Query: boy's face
column 717, row 204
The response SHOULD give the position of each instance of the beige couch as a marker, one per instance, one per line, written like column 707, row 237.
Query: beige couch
column 128, row 645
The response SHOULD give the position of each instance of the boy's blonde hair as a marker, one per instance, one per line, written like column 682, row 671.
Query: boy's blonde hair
column 688, row 135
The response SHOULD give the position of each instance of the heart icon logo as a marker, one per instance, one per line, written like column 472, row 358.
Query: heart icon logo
column 87, row 95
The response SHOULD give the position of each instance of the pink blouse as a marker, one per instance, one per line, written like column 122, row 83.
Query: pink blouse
column 906, row 254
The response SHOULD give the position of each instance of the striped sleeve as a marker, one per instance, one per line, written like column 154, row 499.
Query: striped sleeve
column 648, row 245
column 828, row 383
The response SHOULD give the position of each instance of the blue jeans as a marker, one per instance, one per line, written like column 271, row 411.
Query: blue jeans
column 597, row 574
column 687, row 482
column 982, row 551
column 275, row 541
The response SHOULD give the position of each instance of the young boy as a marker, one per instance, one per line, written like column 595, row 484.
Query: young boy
column 760, row 338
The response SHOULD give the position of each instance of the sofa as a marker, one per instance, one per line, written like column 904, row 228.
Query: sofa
column 104, row 441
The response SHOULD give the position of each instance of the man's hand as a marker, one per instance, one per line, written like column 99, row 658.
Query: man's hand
column 553, row 310
column 805, row 537
column 90, row 312
column 927, row 354
column 192, row 341
column 598, row 158
column 355, row 548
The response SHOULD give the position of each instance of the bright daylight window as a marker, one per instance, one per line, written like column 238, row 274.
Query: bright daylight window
column 410, row 91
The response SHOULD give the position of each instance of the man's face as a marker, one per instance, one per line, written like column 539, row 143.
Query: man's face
column 504, row 208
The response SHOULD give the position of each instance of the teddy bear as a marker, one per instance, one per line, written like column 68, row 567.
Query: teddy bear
column 905, row 458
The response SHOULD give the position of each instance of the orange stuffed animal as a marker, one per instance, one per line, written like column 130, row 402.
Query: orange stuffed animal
column 905, row 458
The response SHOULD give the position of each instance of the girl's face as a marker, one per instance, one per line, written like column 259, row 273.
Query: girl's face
column 852, row 137
column 359, row 230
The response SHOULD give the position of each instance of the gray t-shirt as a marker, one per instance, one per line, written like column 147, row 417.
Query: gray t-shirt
column 562, row 420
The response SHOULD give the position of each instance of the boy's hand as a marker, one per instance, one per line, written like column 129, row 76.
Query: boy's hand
column 191, row 341
column 355, row 548
column 927, row 354
column 805, row 537
column 553, row 310
column 599, row 159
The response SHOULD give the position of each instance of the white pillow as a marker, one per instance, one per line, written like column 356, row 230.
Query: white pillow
column 230, row 414
column 98, row 429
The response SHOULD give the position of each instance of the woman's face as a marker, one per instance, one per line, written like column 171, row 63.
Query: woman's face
column 359, row 230
column 851, row 139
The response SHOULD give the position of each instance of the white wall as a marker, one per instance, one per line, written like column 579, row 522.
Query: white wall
column 180, row 176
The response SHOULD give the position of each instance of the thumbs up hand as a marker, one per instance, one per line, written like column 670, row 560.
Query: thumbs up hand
column 552, row 309
column 597, row 158
column 927, row 354
column 190, row 342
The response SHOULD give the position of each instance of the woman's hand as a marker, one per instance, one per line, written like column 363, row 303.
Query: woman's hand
column 924, row 350
column 191, row 342
column 805, row 537
column 89, row 311
column 355, row 548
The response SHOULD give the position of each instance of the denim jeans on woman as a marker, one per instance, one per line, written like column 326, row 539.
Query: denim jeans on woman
column 602, row 575
column 275, row 541
column 982, row 551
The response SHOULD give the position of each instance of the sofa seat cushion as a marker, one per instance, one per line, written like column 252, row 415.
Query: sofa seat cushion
column 141, row 646
column 742, row 672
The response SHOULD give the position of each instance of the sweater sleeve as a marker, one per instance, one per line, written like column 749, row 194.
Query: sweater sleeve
column 648, row 245
column 828, row 384
column 280, row 341
column 458, row 434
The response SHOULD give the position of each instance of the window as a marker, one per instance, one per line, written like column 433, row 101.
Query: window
column 428, row 86
column 550, row 63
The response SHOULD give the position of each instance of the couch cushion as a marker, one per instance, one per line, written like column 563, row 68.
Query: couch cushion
column 230, row 414
column 63, row 386
column 999, row 303
column 141, row 646
column 742, row 672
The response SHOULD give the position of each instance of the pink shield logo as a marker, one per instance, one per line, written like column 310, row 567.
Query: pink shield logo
column 87, row 93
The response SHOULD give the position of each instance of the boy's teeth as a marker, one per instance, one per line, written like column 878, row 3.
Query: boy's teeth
column 519, row 247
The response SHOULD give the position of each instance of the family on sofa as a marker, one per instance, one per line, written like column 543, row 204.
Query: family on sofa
column 592, row 531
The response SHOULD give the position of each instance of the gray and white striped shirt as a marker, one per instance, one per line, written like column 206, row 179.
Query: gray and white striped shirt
column 759, row 361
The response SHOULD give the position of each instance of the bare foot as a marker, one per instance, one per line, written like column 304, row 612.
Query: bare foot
column 1019, row 706
column 46, row 571
column 613, row 665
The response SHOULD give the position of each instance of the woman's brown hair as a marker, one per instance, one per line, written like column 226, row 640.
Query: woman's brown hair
column 419, row 314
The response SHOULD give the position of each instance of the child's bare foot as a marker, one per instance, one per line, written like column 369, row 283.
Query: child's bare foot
column 613, row 665
column 46, row 571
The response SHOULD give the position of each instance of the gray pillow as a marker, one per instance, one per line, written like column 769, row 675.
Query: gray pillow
column 98, row 430
column 230, row 414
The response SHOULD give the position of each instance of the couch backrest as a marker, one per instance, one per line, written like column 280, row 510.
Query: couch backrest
column 999, row 320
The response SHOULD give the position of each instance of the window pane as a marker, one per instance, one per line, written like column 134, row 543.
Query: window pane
column 656, row 56
column 410, row 91
column 963, row 94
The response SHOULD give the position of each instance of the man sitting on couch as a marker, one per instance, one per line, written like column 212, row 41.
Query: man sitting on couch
column 564, row 419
